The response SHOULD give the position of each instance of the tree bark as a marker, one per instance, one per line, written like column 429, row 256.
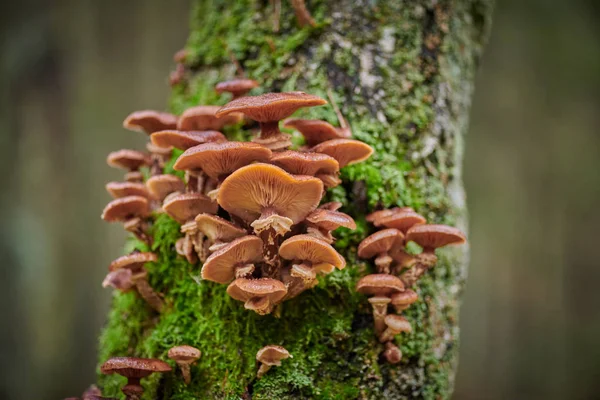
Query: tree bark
column 401, row 72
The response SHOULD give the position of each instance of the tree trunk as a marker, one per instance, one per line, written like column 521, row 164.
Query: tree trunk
column 401, row 72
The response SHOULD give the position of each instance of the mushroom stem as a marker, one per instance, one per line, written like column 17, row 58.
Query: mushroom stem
column 185, row 372
column 264, row 368
column 425, row 261
column 269, row 129
column 244, row 271
column 383, row 262
column 147, row 293
column 137, row 226
column 133, row 390
column 156, row 166
column 134, row 177
column 194, row 181
column 260, row 305
column 380, row 305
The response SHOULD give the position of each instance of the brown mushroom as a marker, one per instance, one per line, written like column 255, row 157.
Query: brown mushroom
column 160, row 186
column 183, row 140
column 91, row 393
column 134, row 369
column 135, row 263
column 402, row 220
column 159, row 156
column 149, row 121
column 402, row 300
column 130, row 160
column 218, row 231
column 395, row 324
column 124, row 189
column 345, row 151
column 322, row 166
column 380, row 286
column 379, row 245
column 392, row 353
column 258, row 295
column 272, row 202
column 184, row 356
column 375, row 216
column 316, row 131
column 203, row 118
column 234, row 260
column 237, row 87
column 120, row 280
column 268, row 109
column 322, row 221
column 401, row 258
column 270, row 356
column 131, row 211
column 331, row 206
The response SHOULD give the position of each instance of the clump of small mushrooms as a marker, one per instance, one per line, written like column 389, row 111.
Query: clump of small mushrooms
column 270, row 356
column 397, row 269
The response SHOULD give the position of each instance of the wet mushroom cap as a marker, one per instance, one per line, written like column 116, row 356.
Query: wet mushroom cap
column 345, row 151
column 272, row 355
column 202, row 118
column 133, row 261
column 330, row 220
column 124, row 208
column 124, row 189
column 160, row 186
column 379, row 285
column 254, row 188
column 184, row 354
column 435, row 236
column 405, row 298
column 377, row 215
column 128, row 159
column 379, row 242
column 185, row 207
column 270, row 106
column 331, row 206
column 217, row 228
column 220, row 266
column 133, row 367
column 119, row 279
column 302, row 163
column 243, row 289
column 149, row 121
column 402, row 220
column 316, row 131
column 309, row 248
column 236, row 86
column 183, row 140
column 398, row 323
column 218, row 159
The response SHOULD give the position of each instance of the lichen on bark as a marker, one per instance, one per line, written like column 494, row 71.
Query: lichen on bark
column 401, row 73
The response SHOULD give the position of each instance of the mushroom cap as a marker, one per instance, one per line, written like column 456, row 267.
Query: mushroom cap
column 435, row 236
column 202, row 118
column 183, row 140
column 397, row 323
column 402, row 220
column 160, row 186
column 316, row 131
column 272, row 355
column 217, row 228
column 184, row 354
column 119, row 279
column 379, row 285
column 405, row 298
column 128, row 159
column 330, row 220
column 392, row 353
column 345, row 151
column 133, row 261
column 309, row 248
column 185, row 207
column 236, row 86
column 133, row 367
column 302, row 163
column 254, row 188
column 379, row 242
column 270, row 106
column 149, row 121
column 376, row 215
column 244, row 289
column 124, row 189
column 331, row 206
column 124, row 208
column 218, row 159
column 220, row 266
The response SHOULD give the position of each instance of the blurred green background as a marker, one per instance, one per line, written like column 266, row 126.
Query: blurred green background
column 70, row 70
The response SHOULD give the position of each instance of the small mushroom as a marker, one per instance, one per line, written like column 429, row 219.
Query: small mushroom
column 395, row 324
column 135, row 263
column 402, row 300
column 160, row 186
column 124, row 189
column 402, row 220
column 316, row 131
column 392, row 353
column 149, row 121
column 134, row 369
column 217, row 230
column 120, row 280
column 131, row 211
column 237, row 87
column 375, row 216
column 379, row 245
column 204, row 118
column 258, row 295
column 91, row 393
column 160, row 156
column 345, row 151
column 184, row 356
column 322, row 166
column 234, row 260
column 130, row 160
column 270, row 356
column 183, row 140
column 331, row 206
column 322, row 221
column 268, row 109
column 382, row 286
column 401, row 258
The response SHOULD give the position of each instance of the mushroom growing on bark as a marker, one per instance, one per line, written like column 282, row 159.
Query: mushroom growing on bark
column 135, row 263
column 395, row 324
column 183, row 140
column 234, row 260
column 375, row 216
column 381, row 287
column 184, row 356
column 258, row 295
column 402, row 220
column 270, row 356
column 392, row 353
column 150, row 121
column 322, row 166
column 160, row 186
column 268, row 109
column 120, row 280
column 124, row 189
column 130, row 160
column 379, row 245
column 321, row 222
column 218, row 231
column 345, row 151
column 203, row 118
column 316, row 131
column 237, row 87
column 402, row 300
column 131, row 211
column 134, row 369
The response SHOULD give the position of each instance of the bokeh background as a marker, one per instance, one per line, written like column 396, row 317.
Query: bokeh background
column 70, row 70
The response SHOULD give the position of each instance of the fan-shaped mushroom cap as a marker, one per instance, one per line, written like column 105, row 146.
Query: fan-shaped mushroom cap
column 379, row 242
column 331, row 206
column 435, row 236
column 119, row 279
column 183, row 140
column 124, row 208
column 202, row 118
column 124, row 189
column 330, row 220
column 185, row 207
column 377, row 215
column 216, row 228
column 184, row 354
column 221, row 265
column 128, row 159
column 311, row 249
column 149, row 121
column 402, row 220
column 251, row 190
column 272, row 355
column 379, row 285
column 403, row 299
column 133, row 367
column 160, row 186
column 133, row 261
column 320, row 165
column 392, row 353
column 397, row 323
column 237, row 87
column 270, row 106
column 316, row 131
column 218, row 159
column 258, row 294
column 345, row 151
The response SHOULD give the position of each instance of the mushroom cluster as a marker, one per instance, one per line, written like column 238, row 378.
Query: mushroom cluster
column 397, row 269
